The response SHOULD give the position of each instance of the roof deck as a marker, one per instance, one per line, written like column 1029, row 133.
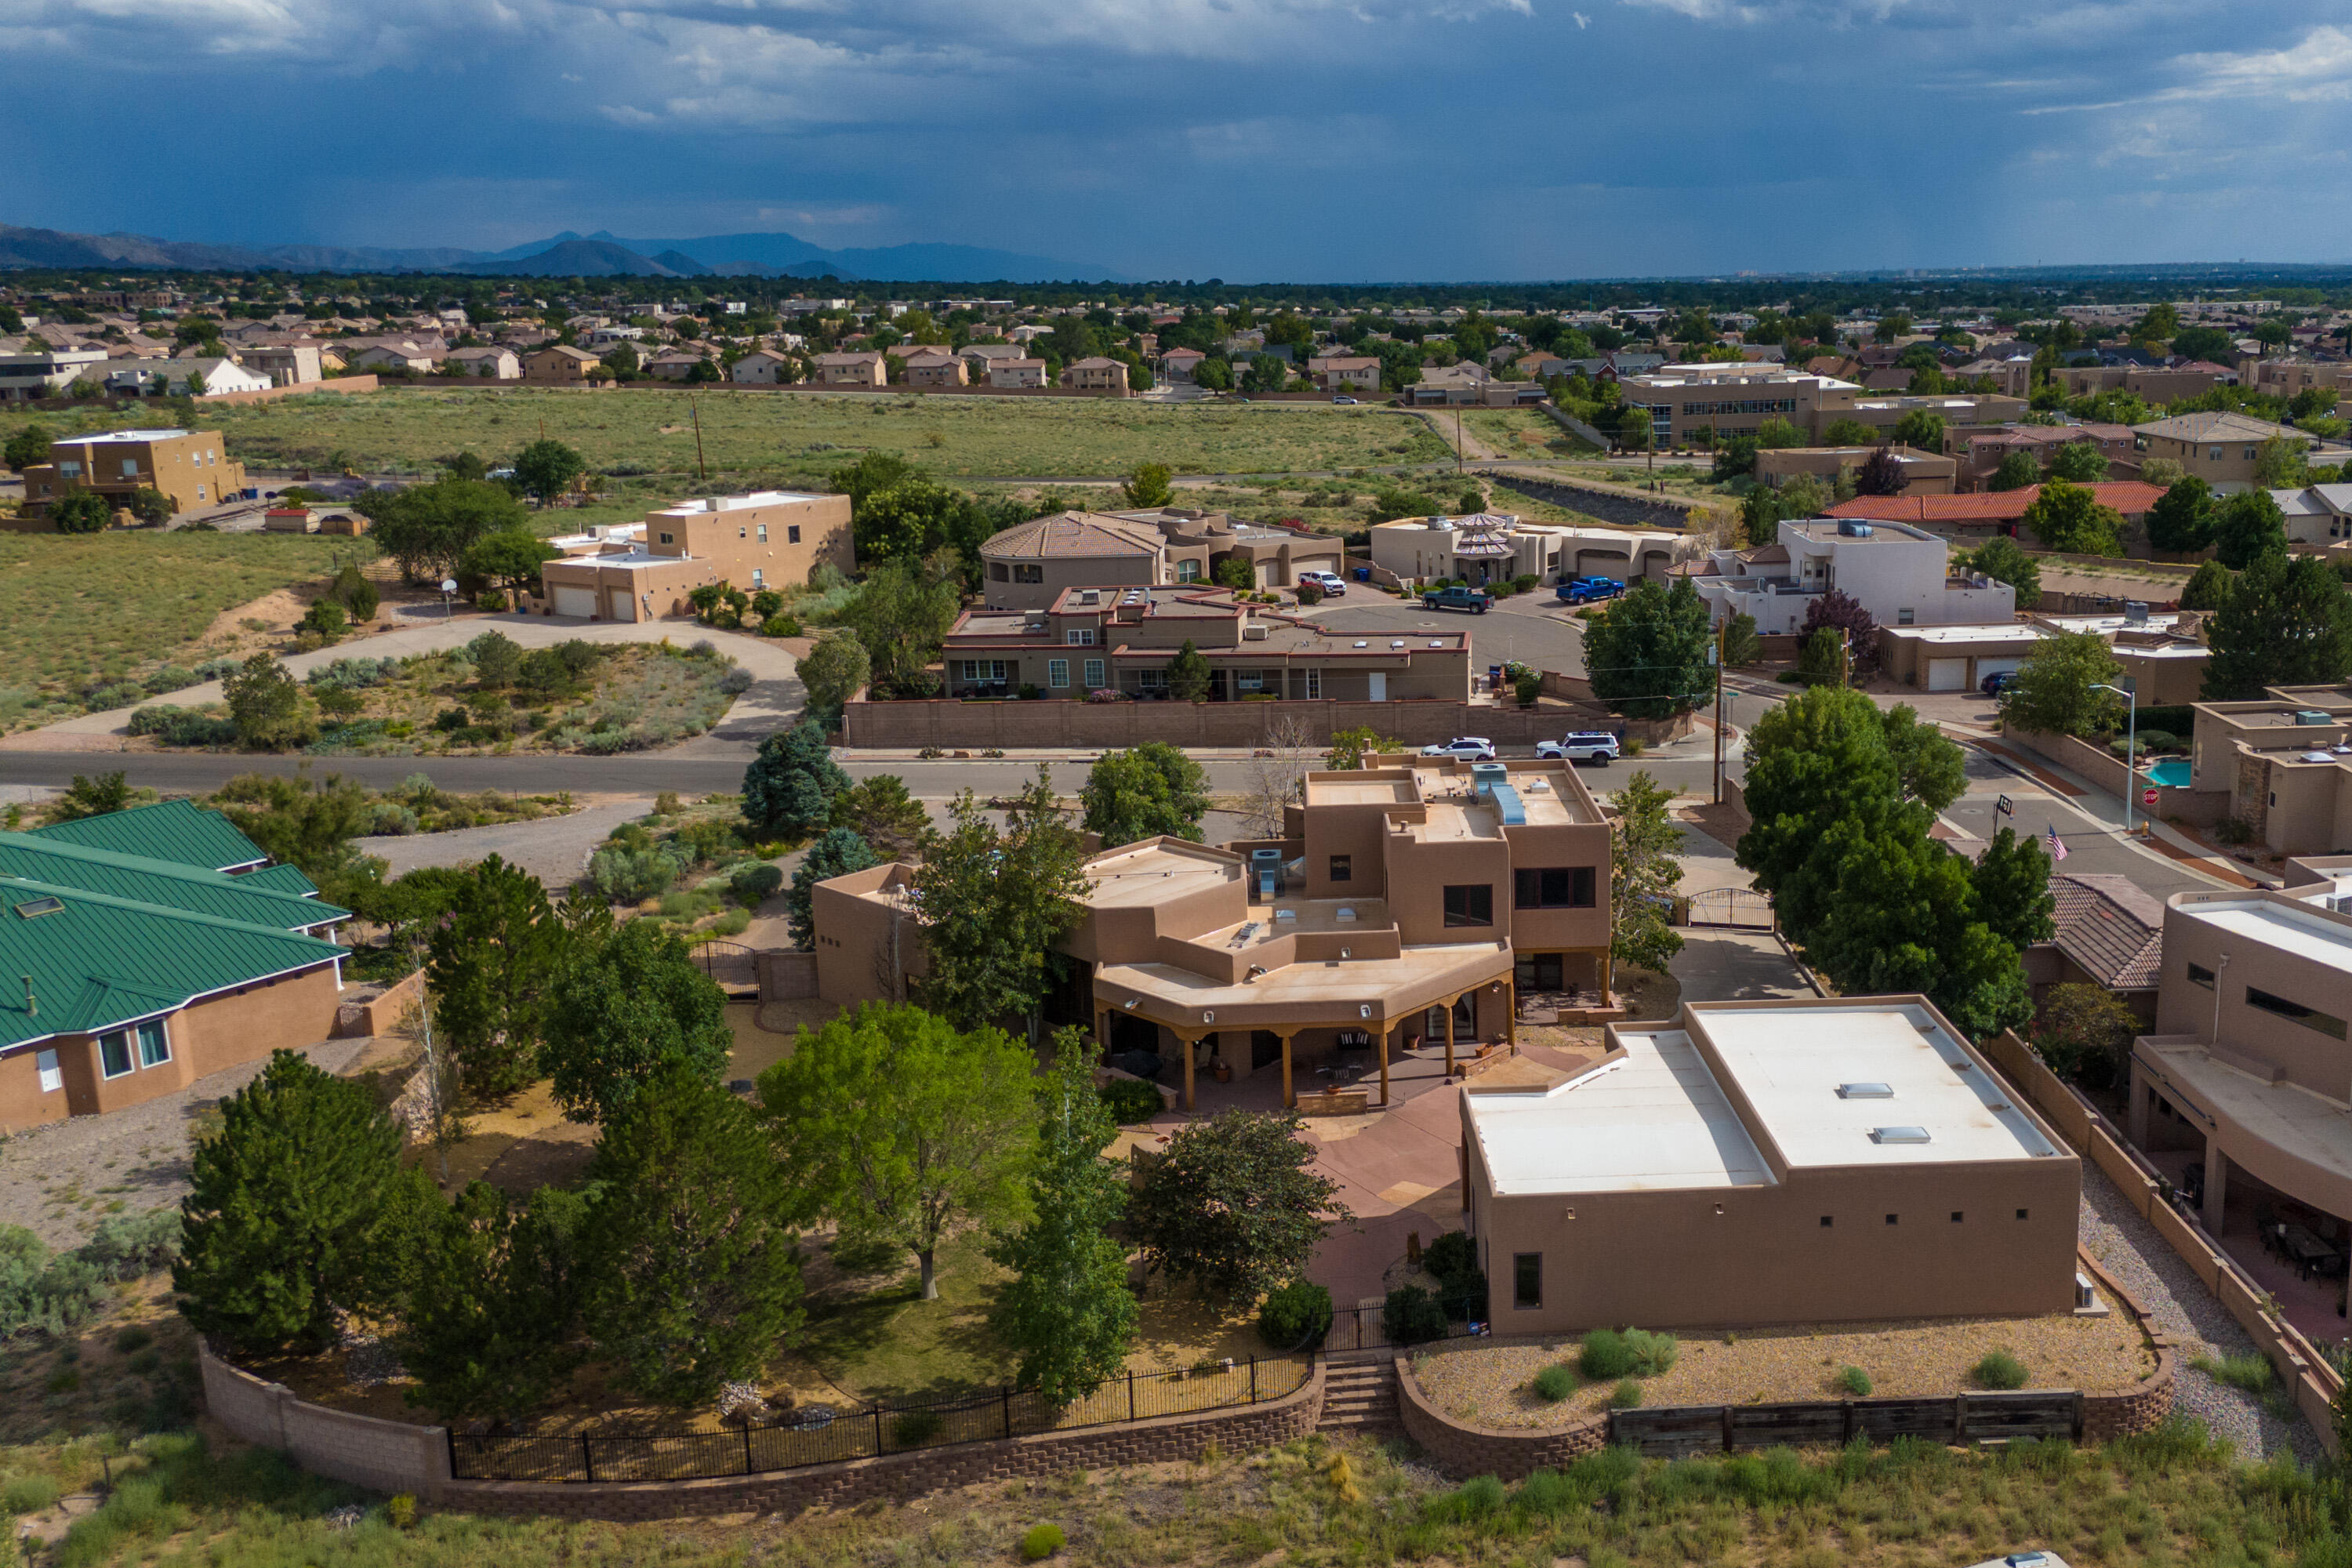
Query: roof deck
column 1148, row 873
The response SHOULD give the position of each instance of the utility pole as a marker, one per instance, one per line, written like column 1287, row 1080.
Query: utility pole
column 1722, row 644
column 1845, row 659
column 696, row 409
column 1457, row 440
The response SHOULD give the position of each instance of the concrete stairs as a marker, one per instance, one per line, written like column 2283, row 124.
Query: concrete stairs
column 1361, row 1395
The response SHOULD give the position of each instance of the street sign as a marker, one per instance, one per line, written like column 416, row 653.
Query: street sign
column 2005, row 808
column 2147, row 797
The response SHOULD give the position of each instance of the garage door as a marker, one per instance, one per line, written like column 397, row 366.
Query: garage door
column 1947, row 674
column 1316, row 564
column 1997, row 666
column 579, row 603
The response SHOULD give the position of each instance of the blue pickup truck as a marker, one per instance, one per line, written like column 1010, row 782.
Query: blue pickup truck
column 1584, row 590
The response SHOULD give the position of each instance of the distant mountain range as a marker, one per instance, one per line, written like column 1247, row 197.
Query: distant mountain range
column 567, row 255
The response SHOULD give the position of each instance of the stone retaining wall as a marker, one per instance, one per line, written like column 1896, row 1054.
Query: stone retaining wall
column 1624, row 507
column 1459, row 1448
column 394, row 1456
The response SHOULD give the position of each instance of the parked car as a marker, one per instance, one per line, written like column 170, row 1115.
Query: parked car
column 1584, row 590
column 1458, row 597
column 1582, row 746
column 1998, row 682
column 1332, row 584
column 1464, row 749
column 1343, row 400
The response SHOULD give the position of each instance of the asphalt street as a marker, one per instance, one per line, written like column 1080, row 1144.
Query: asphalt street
column 2093, row 844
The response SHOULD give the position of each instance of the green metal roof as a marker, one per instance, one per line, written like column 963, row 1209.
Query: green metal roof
column 188, row 889
column 173, row 830
column 282, row 879
column 94, row 960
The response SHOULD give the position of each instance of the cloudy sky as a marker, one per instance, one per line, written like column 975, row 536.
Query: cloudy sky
column 1244, row 139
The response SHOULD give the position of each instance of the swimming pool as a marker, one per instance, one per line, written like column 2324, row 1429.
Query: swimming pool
column 2172, row 773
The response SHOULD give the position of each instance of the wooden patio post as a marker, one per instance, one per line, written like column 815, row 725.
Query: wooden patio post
column 1452, row 1002
column 1511, row 1014
column 1384, row 1061
column 1187, row 1044
column 1289, row 1099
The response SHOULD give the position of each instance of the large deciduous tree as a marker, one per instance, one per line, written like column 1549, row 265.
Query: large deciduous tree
column 2001, row 559
column 2182, row 519
column 992, row 903
column 2286, row 622
column 1234, row 1204
column 1839, row 611
column 1151, row 790
column 2070, row 520
column 833, row 671
column 1646, row 657
column 426, row 527
column 899, row 1127
column 629, row 1005
column 2246, row 527
column 901, row 614
column 2053, row 692
column 544, row 467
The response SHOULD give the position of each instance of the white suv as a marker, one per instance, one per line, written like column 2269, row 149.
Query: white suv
column 1582, row 746
column 1464, row 749
column 1329, row 582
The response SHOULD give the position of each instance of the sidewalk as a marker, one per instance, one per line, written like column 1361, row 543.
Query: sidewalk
column 2160, row 839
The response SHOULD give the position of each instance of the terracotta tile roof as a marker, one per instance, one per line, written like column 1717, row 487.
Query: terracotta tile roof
column 1072, row 533
column 2110, row 928
column 2129, row 497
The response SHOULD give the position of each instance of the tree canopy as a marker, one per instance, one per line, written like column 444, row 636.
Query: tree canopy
column 789, row 787
column 1150, row 791
column 494, row 957
column 1234, row 1203
column 426, row 527
column 2070, row 520
column 2003, row 560
column 544, row 467
column 2246, row 526
column 993, row 903
column 2053, row 694
column 1643, row 874
column 629, row 1005
column 2286, row 622
column 836, row 852
column 2182, row 519
column 1646, row 657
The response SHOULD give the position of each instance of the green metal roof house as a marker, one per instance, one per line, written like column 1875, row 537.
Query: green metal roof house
column 135, row 960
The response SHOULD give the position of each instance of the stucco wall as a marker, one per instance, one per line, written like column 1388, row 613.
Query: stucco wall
column 1417, row 721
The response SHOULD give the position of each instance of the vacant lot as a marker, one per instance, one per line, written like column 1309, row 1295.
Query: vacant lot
column 76, row 609
column 775, row 435
column 1521, row 433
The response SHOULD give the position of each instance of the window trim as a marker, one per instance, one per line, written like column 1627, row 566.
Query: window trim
column 1529, row 891
column 129, row 1062
column 2201, row 976
column 1095, row 674
column 1473, row 895
column 1058, row 674
column 162, row 1042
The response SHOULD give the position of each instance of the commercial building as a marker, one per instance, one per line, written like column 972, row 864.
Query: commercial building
column 1899, row 574
column 2154, row 384
column 1405, row 906
column 1924, row 473
column 1688, row 401
column 1121, row 639
column 2163, row 654
column 764, row 540
column 147, row 949
column 1495, row 547
column 191, row 468
column 1822, row 1160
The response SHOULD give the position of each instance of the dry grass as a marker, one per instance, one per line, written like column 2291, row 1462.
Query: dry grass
column 1491, row 1385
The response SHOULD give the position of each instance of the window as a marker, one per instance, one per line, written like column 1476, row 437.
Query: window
column 982, row 669
column 1343, row 867
column 1825, row 1222
column 1094, row 674
column 200, row 493
column 1310, row 685
column 1079, row 636
column 1904, row 617
column 792, row 533
column 2022, row 1213
column 741, row 532
column 1527, row 1280
column 1891, row 1218
column 114, row 1053
column 1956, row 1216
column 996, row 572
column 53, row 1077
column 2201, row 976
column 2309, row 1018
column 759, row 577
column 763, row 533
column 669, row 539
column 1470, row 904
column 1028, row 574
column 130, row 468
column 1058, row 672
column 1188, row 571
column 1553, row 887
column 154, row 1049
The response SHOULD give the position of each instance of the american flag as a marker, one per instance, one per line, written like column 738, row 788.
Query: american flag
column 2056, row 846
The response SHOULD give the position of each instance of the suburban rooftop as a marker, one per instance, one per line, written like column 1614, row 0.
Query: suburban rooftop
column 2283, row 925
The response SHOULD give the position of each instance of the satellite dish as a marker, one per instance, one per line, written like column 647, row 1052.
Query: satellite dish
column 448, row 584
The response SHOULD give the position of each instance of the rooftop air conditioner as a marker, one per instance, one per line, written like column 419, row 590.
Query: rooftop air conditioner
column 2313, row 716
column 1256, row 631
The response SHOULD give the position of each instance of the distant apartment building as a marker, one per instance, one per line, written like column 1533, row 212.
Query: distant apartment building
column 2286, row 378
column 44, row 372
column 644, row 573
column 851, row 370
column 191, row 468
column 1899, row 574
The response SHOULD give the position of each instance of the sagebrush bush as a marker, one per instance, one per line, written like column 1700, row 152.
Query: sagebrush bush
column 1626, row 1396
column 1999, row 1370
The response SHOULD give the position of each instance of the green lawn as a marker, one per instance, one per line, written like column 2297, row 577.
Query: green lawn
column 873, row 1334
column 776, row 436
column 76, row 609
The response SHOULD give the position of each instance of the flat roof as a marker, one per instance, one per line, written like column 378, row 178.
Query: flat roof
column 1383, row 788
column 119, row 436
column 1655, row 1120
column 1790, row 1061
column 733, row 503
column 1989, row 631
column 1146, row 873
column 2282, row 926
column 2293, row 1119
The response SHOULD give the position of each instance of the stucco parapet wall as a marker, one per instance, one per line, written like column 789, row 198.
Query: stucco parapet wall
column 392, row 1456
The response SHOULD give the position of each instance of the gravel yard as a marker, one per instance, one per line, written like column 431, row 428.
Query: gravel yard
column 2141, row 1261
column 1490, row 1385
column 59, row 1180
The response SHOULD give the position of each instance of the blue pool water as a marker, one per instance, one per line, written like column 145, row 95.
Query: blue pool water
column 2172, row 773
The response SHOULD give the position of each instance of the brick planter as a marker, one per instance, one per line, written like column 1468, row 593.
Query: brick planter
column 1460, row 1448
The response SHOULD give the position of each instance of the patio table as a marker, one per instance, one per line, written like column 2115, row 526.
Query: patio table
column 2311, row 1255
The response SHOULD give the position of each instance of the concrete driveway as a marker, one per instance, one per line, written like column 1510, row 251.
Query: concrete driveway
column 775, row 693
column 555, row 849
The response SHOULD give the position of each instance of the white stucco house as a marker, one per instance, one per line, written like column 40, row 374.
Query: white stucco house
column 1899, row 574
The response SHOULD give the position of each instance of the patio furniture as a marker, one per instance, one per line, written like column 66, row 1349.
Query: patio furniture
column 2310, row 1255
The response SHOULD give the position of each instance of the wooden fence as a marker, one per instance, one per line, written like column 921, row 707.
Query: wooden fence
column 1674, row 1430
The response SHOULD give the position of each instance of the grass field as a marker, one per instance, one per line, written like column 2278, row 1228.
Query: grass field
column 74, row 610
column 775, row 435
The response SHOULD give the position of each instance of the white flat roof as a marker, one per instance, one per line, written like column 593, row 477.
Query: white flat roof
column 1790, row 1062
column 734, row 503
column 1984, row 631
column 1654, row 1122
column 2283, row 927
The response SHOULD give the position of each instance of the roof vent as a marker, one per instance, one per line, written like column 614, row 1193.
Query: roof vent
column 1866, row 1091
column 34, row 909
column 2313, row 716
column 1898, row 1135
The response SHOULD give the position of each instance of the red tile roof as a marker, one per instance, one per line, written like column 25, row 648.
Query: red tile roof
column 2129, row 497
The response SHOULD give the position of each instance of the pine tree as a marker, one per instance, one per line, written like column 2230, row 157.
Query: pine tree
column 494, row 959
column 1067, row 1309
column 788, row 789
column 692, row 1264
column 492, row 1314
column 837, row 853
column 280, row 1223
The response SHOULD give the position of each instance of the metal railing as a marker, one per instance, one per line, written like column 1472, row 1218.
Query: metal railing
column 727, row 963
column 1377, row 1327
column 816, row 1435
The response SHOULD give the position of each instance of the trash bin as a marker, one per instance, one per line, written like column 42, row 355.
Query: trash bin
column 1494, row 677
column 1363, row 573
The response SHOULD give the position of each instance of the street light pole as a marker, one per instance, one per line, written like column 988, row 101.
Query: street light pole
column 2131, row 745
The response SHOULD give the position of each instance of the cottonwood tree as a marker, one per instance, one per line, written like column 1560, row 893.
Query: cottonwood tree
column 994, row 901
column 280, row 1220
column 2070, row 520
column 2078, row 462
column 901, row 614
column 1234, row 1205
column 544, row 467
column 2016, row 470
column 691, row 1258
column 899, row 1128
column 1068, row 1309
column 628, row 1006
column 1149, row 791
column 494, row 959
column 426, row 527
column 1643, row 874
column 2247, row 526
column 1148, row 487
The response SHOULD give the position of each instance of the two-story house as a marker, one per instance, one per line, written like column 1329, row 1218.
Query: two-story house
column 1899, row 574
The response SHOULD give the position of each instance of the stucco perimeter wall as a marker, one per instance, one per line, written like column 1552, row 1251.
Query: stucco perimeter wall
column 394, row 1456
column 1057, row 723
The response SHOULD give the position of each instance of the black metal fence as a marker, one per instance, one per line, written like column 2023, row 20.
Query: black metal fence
column 816, row 1435
column 728, row 962
column 1378, row 1327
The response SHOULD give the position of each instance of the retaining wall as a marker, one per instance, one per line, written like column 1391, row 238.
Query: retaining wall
column 1460, row 1448
column 394, row 1456
column 378, row 1013
column 1625, row 508
column 343, row 383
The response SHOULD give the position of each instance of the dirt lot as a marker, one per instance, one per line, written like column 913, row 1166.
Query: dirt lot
column 1490, row 1385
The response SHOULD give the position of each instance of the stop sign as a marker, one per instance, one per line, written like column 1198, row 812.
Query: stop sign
column 2147, row 797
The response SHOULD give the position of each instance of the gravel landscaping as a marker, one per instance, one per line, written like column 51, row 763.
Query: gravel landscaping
column 2144, row 1263
column 1490, row 1385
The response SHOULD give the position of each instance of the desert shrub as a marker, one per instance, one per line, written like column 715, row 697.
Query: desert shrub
column 1999, row 1370
column 1852, row 1380
column 1412, row 1314
column 1451, row 1255
column 1131, row 1100
column 219, row 669
column 351, row 674
column 755, row 883
column 780, row 626
column 131, row 1339
column 327, row 618
column 630, row 876
column 151, row 719
column 1042, row 1541
column 182, row 726
column 28, row 1494
column 2249, row 1371
column 1294, row 1316
column 1626, row 1396
column 1614, row 1352
column 389, row 819
column 916, row 1427
column 168, row 678
column 400, row 1511
column 736, row 681
column 113, row 694
column 1556, row 1383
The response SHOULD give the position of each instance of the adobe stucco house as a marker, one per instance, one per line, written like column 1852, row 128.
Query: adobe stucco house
column 767, row 539
column 146, row 949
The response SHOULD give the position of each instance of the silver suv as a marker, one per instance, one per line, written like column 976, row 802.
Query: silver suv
column 1582, row 746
